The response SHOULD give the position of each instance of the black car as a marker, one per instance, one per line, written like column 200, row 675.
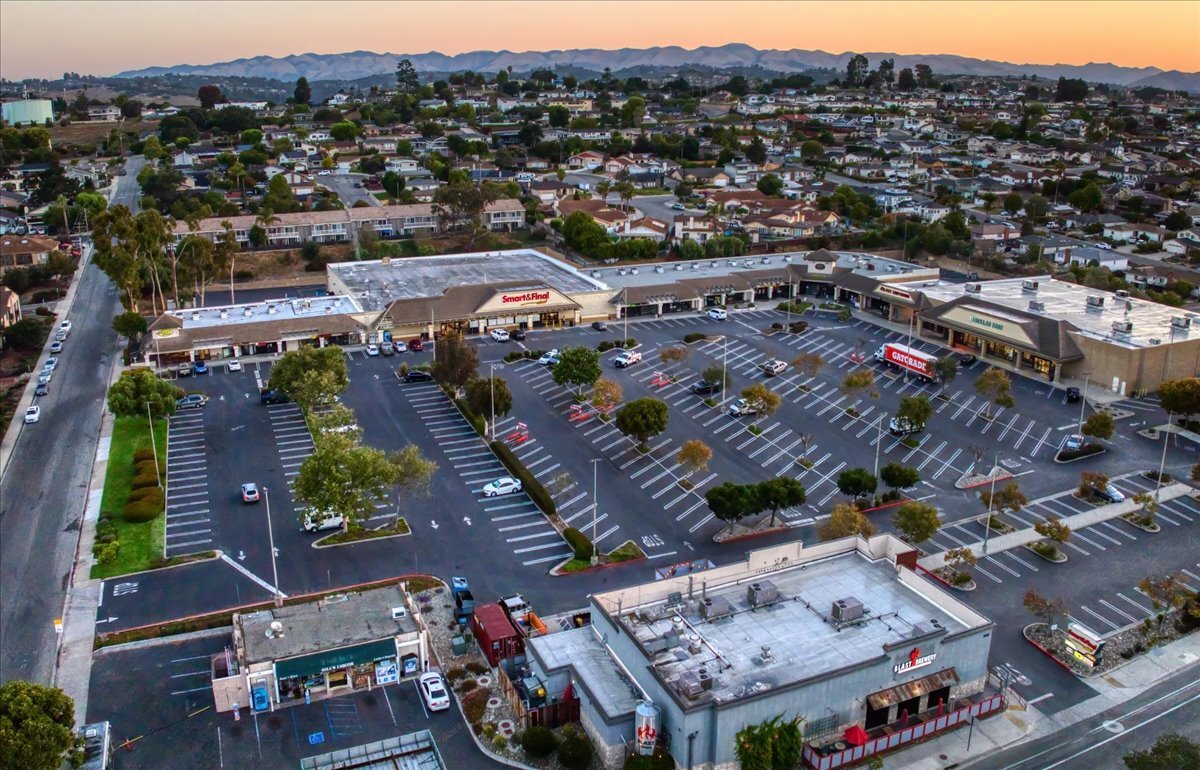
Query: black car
column 600, row 326
column 705, row 388
column 268, row 396
column 517, row 334
column 418, row 375
column 1073, row 395
column 968, row 360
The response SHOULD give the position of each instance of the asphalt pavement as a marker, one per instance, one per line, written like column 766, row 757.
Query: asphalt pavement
column 343, row 185
column 44, row 489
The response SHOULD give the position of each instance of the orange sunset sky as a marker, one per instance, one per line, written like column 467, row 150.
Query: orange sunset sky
column 102, row 38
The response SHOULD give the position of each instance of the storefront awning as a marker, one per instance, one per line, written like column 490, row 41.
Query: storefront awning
column 915, row 689
column 320, row 662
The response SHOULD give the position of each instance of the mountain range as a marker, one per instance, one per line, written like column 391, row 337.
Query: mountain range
column 360, row 64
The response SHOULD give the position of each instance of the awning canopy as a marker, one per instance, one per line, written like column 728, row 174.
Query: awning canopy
column 331, row 660
column 914, row 689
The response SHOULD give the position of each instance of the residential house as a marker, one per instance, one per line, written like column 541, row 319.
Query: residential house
column 588, row 160
column 10, row 309
column 105, row 114
column 713, row 177
column 1133, row 233
column 504, row 215
column 25, row 251
column 550, row 190
column 690, row 228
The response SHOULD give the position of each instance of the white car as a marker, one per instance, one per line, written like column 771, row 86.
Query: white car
column 549, row 358
column 433, row 691
column 773, row 367
column 33, row 414
column 717, row 313
column 45, row 377
column 235, row 365
column 500, row 335
column 372, row 350
column 316, row 521
column 741, row 408
column 502, row 486
column 324, row 172
column 50, row 365
column 65, row 326
column 628, row 358
column 56, row 346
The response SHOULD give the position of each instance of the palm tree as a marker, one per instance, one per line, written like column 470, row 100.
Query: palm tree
column 238, row 172
column 1060, row 168
column 626, row 191
column 603, row 189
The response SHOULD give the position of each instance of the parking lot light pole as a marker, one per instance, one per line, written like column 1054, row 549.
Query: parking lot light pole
column 724, row 369
column 1083, row 399
column 492, row 383
column 595, row 511
column 987, row 522
column 878, row 442
column 1162, row 462
column 271, row 541
column 154, row 445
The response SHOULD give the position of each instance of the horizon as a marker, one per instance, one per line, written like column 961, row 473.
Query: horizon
column 112, row 37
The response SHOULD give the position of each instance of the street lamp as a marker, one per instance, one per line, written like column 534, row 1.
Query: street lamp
column 595, row 511
column 724, row 369
column 153, row 446
column 1083, row 399
column 1162, row 462
column 492, row 384
column 271, row 541
column 987, row 523
column 878, row 443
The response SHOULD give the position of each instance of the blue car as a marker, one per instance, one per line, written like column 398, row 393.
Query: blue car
column 201, row 367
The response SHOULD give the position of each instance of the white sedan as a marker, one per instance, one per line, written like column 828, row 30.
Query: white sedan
column 500, row 335
column 33, row 414
column 235, row 365
column 503, row 486
column 372, row 350
column 433, row 691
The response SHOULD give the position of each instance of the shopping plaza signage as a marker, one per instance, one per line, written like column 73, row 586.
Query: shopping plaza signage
column 915, row 660
column 988, row 325
column 526, row 298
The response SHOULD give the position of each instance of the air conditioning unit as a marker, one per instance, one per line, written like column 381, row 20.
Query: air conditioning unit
column 1096, row 302
column 1122, row 327
column 974, row 288
column 1155, row 341
column 1036, row 306
column 248, row 312
column 1121, row 294
column 1181, row 322
column 689, row 685
column 1029, row 285
column 399, row 612
column 762, row 593
column 847, row 609
column 715, row 607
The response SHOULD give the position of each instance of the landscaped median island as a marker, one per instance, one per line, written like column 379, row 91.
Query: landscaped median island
column 398, row 528
column 582, row 561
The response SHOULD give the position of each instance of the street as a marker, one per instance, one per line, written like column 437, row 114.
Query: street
column 42, row 502
column 343, row 185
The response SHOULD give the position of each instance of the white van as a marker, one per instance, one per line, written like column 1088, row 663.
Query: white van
column 316, row 521
column 717, row 313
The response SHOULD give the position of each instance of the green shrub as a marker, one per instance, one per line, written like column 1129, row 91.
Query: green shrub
column 474, row 704
column 467, row 685
column 579, row 542
column 145, row 468
column 144, row 480
column 776, row 327
column 631, row 343
column 152, row 494
column 798, row 327
column 475, row 667
column 694, row 337
column 142, row 455
column 106, row 553
column 539, row 741
column 605, row 346
column 537, row 493
column 575, row 750
column 455, row 673
column 141, row 511
column 477, row 421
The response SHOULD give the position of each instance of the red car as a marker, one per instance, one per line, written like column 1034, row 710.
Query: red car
column 415, row 345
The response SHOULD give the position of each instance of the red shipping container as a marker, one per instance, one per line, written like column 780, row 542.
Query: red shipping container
column 495, row 633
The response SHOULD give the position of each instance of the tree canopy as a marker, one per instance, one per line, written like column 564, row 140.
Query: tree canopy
column 642, row 419
column 311, row 376
column 577, row 366
column 136, row 388
column 37, row 726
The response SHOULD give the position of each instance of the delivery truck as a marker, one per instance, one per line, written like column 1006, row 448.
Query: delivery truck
column 908, row 358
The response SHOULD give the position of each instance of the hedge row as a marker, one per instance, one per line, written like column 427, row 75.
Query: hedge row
column 579, row 543
column 477, row 421
column 694, row 337
column 608, row 345
column 537, row 493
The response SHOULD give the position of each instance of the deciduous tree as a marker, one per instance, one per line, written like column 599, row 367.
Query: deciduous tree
column 918, row 521
column 454, row 361
column 915, row 409
column 129, row 325
column 846, row 521
column 996, row 387
column 606, row 394
column 480, row 392
column 136, row 388
column 343, row 479
column 763, row 398
column 694, row 455
column 899, row 476
column 1099, row 425
column 808, row 364
column 857, row 482
column 1046, row 610
column 1181, row 396
column 311, row 376
column 37, row 727
column 577, row 366
column 731, row 502
column 778, row 493
column 642, row 419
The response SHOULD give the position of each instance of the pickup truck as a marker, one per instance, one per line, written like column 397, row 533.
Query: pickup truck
column 627, row 358
column 742, row 408
column 268, row 396
column 464, row 600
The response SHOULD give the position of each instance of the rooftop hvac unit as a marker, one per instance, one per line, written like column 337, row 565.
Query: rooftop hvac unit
column 224, row 313
column 1029, row 285
column 195, row 316
column 694, row 644
column 399, row 612
column 974, row 288
column 1121, row 294
column 714, row 607
column 1181, row 322
column 1122, row 327
column 705, row 678
column 847, row 609
column 762, row 593
column 662, row 643
column 1037, row 306
column 248, row 312
column 689, row 685
column 271, row 309
column 1094, row 301
column 1155, row 341
column 329, row 308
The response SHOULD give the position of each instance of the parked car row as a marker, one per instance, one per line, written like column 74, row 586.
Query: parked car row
column 390, row 348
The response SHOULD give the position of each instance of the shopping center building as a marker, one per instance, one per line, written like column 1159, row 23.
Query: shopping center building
column 304, row 652
column 843, row 635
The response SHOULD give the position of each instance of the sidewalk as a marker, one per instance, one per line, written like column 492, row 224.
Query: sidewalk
column 1078, row 521
column 1017, row 725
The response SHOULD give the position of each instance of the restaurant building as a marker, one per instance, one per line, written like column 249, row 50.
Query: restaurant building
column 843, row 635
column 337, row 645
column 1054, row 330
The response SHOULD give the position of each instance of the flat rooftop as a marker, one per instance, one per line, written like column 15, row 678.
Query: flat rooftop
column 579, row 649
column 375, row 284
column 630, row 276
column 267, row 310
column 1064, row 301
column 336, row 621
column 751, row 650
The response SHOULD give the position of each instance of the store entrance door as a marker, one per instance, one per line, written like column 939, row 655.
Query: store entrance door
column 876, row 717
column 908, row 708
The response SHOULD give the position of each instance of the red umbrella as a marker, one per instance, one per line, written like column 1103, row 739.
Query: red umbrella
column 856, row 736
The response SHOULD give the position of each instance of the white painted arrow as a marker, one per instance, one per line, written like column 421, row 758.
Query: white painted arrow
column 467, row 520
column 433, row 524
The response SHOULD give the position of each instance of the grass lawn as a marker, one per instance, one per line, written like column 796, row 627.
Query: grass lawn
column 142, row 543
column 624, row 552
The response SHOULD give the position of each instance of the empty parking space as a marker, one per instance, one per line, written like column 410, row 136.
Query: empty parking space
column 189, row 523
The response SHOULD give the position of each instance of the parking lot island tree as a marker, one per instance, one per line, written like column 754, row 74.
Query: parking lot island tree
column 578, row 367
column 606, row 394
column 674, row 354
column 1090, row 483
column 846, row 521
column 899, row 476
column 137, row 388
column 1168, row 594
column 480, row 392
column 643, row 419
column 1181, row 397
column 1009, row 498
column 343, row 479
column 857, row 482
column 414, row 470
column 763, row 398
column 1044, row 609
column 779, row 493
column 1054, row 530
column 858, row 384
column 719, row 374
column 694, row 456
column 996, row 386
column 455, row 361
column 808, row 364
column 731, row 502
column 946, row 369
column 957, row 561
column 311, row 376
column 37, row 727
column 918, row 521
column 337, row 419
column 1099, row 425
column 915, row 409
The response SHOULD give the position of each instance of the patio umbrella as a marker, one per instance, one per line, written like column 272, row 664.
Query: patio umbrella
column 856, row 736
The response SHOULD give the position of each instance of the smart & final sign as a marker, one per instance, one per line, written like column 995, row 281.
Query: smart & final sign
column 915, row 660
column 526, row 298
